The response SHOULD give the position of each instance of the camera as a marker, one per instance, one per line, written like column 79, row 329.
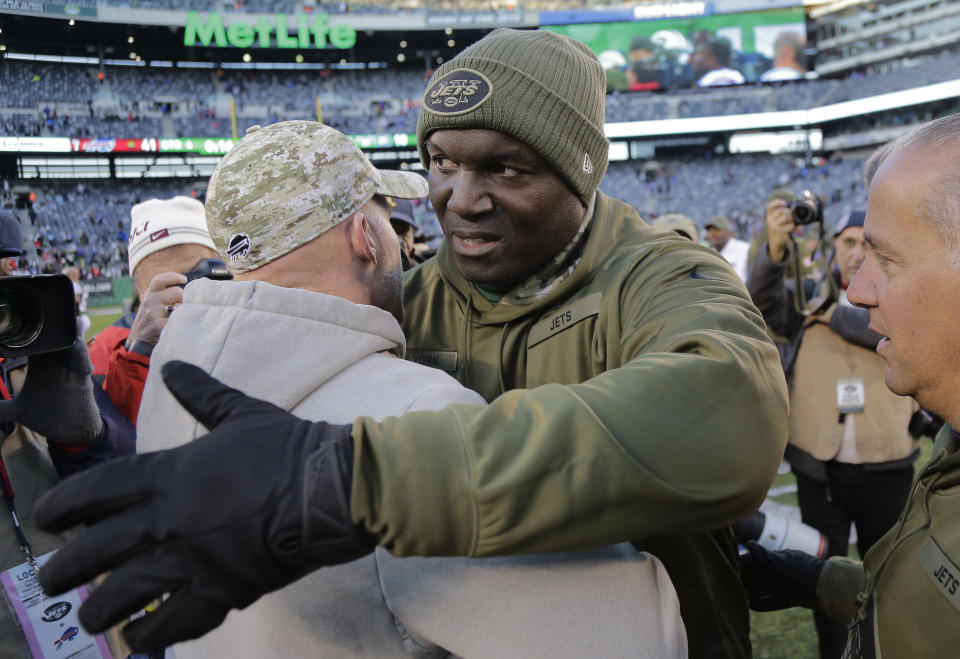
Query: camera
column 806, row 209
column 209, row 268
column 36, row 315
column 774, row 532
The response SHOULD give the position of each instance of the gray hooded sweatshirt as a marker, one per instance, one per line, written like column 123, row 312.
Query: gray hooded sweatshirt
column 325, row 358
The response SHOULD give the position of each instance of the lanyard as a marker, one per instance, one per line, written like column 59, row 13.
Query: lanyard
column 24, row 544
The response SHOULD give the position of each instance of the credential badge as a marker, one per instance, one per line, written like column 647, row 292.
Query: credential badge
column 457, row 92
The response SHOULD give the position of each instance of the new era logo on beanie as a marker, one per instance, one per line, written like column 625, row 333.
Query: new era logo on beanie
column 542, row 88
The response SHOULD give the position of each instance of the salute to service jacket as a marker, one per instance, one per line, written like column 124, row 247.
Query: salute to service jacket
column 639, row 399
column 910, row 605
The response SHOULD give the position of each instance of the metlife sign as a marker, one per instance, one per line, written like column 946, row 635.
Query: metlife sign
column 296, row 31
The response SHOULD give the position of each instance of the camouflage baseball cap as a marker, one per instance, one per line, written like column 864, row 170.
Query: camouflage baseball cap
column 284, row 185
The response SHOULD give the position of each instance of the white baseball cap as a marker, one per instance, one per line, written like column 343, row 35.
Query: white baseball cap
column 160, row 223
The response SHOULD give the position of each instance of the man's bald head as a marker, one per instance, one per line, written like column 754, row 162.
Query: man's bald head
column 939, row 139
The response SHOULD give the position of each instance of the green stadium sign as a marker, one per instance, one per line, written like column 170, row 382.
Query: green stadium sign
column 306, row 32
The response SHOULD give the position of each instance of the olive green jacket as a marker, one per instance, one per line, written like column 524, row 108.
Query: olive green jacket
column 909, row 605
column 638, row 400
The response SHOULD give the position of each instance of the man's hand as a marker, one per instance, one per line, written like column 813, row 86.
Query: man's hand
column 165, row 291
column 782, row 579
column 780, row 226
column 57, row 398
column 259, row 502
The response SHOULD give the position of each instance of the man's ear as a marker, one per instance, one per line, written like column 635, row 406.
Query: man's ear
column 360, row 234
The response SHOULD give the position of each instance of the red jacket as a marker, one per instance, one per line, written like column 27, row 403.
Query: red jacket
column 124, row 373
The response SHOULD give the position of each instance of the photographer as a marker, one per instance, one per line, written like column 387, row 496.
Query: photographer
column 53, row 422
column 168, row 237
column 849, row 446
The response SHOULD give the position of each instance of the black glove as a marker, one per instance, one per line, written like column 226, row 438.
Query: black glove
column 777, row 580
column 57, row 398
column 260, row 501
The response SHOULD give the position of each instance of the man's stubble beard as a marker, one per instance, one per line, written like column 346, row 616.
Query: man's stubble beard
column 388, row 294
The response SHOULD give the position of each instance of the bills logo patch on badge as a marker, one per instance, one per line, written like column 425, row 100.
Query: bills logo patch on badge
column 68, row 635
column 457, row 92
column 48, row 628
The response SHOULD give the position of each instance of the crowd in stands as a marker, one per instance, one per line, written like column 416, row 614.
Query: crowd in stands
column 86, row 224
column 735, row 186
column 134, row 102
column 81, row 224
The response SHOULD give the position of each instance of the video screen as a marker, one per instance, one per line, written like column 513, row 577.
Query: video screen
column 702, row 51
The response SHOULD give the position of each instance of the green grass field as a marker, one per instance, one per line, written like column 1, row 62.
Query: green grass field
column 787, row 634
column 98, row 321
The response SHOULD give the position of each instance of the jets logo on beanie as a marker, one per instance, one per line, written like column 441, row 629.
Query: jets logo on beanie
column 542, row 88
column 457, row 92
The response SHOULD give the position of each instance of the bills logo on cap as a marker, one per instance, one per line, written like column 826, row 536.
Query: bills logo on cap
column 238, row 247
column 457, row 92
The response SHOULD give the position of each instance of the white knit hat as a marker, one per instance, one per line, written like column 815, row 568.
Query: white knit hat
column 160, row 223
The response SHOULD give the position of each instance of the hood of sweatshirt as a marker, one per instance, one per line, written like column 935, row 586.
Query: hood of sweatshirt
column 263, row 336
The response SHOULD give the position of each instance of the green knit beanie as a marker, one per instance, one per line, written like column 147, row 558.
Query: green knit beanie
column 542, row 88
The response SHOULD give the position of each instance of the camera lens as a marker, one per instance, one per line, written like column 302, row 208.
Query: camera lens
column 802, row 213
column 21, row 316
